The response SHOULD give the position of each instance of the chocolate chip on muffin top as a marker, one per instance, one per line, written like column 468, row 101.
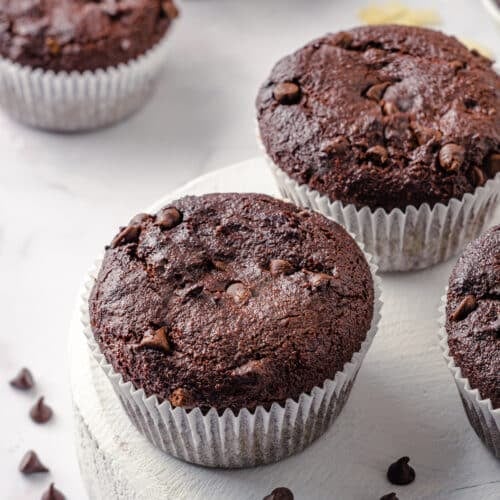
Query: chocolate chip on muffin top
column 384, row 116
column 231, row 301
column 81, row 34
column 473, row 314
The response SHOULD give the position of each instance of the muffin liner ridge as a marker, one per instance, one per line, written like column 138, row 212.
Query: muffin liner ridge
column 76, row 101
column 249, row 438
column 484, row 419
column 402, row 241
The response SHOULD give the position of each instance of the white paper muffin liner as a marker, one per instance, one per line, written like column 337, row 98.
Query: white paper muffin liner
column 228, row 440
column 484, row 419
column 401, row 241
column 77, row 101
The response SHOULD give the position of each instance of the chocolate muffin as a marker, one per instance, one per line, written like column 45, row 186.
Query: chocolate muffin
column 79, row 35
column 383, row 116
column 231, row 301
column 473, row 315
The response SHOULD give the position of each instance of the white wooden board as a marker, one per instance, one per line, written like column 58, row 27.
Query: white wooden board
column 404, row 402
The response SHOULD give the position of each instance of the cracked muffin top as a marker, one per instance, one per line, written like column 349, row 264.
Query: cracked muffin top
column 383, row 116
column 473, row 314
column 67, row 35
column 231, row 301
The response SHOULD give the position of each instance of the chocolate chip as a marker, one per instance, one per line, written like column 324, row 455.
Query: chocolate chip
column 168, row 218
column 466, row 306
column 426, row 134
column 287, row 93
column 239, row 292
column 389, row 108
column 40, row 412
column 280, row 266
column 478, row 177
column 378, row 154
column 30, row 464
column 493, row 164
column 281, row 493
column 93, row 24
column 343, row 39
column 375, row 92
column 337, row 145
column 401, row 472
column 158, row 341
column 181, row 397
column 129, row 234
column 389, row 496
column 23, row 380
column 456, row 65
column 140, row 219
column 318, row 280
column 451, row 157
column 170, row 9
column 53, row 46
column 53, row 494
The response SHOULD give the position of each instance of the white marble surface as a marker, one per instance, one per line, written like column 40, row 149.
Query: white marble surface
column 62, row 197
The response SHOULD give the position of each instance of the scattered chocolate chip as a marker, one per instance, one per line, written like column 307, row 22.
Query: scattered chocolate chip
column 23, row 380
column 281, row 493
column 337, row 145
column 389, row 108
column 478, row 177
column 280, row 266
column 466, row 306
column 375, row 92
column 129, row 234
column 181, row 397
column 389, row 496
column 493, row 164
column 53, row 46
column 40, row 412
column 343, row 39
column 158, row 341
column 318, row 280
column 139, row 219
column 401, row 472
column 219, row 264
column 30, row 464
column 378, row 154
column 287, row 93
column 168, row 218
column 53, row 494
column 456, row 65
column 426, row 134
column 451, row 157
column 170, row 9
column 239, row 292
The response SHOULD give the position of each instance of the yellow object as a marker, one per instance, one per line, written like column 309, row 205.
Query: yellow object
column 395, row 12
column 472, row 45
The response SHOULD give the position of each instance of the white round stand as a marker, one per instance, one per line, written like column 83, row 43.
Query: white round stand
column 404, row 402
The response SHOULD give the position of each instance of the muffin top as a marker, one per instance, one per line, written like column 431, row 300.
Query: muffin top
column 383, row 116
column 67, row 35
column 231, row 301
column 473, row 314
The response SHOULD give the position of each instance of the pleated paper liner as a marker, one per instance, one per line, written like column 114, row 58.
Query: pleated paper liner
column 249, row 438
column 76, row 101
column 484, row 419
column 412, row 239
